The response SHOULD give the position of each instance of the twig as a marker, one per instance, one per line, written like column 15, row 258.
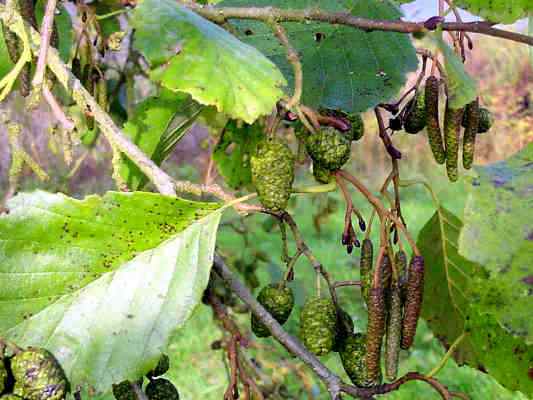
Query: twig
column 221, row 14
column 294, row 60
column 380, row 210
column 58, row 112
column 46, row 33
column 339, row 284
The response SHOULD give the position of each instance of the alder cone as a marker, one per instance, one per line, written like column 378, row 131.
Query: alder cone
column 329, row 148
column 278, row 302
column 416, row 120
column 124, row 391
column 394, row 333
column 353, row 357
column 273, row 173
column 38, row 375
column 452, row 126
column 469, row 136
column 485, row 120
column 365, row 267
column 318, row 322
column 431, row 96
column 344, row 328
column 161, row 389
column 358, row 126
column 413, row 301
column 375, row 331
column 321, row 174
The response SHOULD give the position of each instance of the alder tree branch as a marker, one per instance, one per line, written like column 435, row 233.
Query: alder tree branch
column 294, row 60
column 46, row 33
column 267, row 14
column 334, row 384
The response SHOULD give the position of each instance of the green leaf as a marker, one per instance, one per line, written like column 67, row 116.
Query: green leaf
column 498, row 233
column 504, row 11
column 104, row 322
column 343, row 67
column 195, row 56
column 63, row 244
column 462, row 89
column 158, row 124
column 452, row 306
column 447, row 279
column 233, row 151
column 64, row 27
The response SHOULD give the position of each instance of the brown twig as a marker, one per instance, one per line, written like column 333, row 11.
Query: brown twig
column 46, row 33
column 221, row 14
column 294, row 60
column 58, row 112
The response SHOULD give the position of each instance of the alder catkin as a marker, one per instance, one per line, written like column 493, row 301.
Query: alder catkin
column 365, row 267
column 413, row 301
column 452, row 126
column 470, row 133
column 431, row 97
column 394, row 332
column 375, row 331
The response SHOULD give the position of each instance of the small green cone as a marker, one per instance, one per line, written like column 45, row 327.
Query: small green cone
column 161, row 389
column 416, row 120
column 344, row 328
column 273, row 173
column 124, row 391
column 329, row 148
column 318, row 322
column 358, row 126
column 485, row 120
column 278, row 302
column 38, row 375
column 353, row 357
column 321, row 174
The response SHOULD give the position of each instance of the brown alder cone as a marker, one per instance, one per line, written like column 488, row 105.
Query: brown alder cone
column 413, row 301
column 375, row 331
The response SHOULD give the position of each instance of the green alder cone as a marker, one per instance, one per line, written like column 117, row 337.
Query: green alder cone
column 329, row 148
column 400, row 261
column 485, row 120
column 321, row 174
column 431, row 96
column 345, row 327
column 452, row 126
column 161, row 368
column 358, row 126
column 469, row 136
column 38, row 375
column 365, row 267
column 124, row 391
column 318, row 321
column 278, row 302
column 3, row 377
column 273, row 173
column 393, row 333
column 416, row 120
column 353, row 357
column 161, row 389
